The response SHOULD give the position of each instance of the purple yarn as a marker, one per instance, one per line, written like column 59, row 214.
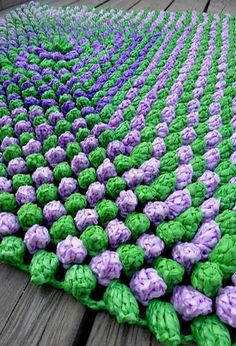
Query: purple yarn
column 152, row 246
column 114, row 149
column 215, row 109
column 54, row 117
column 234, row 279
column 210, row 209
column 190, row 303
column 71, row 250
column 85, row 218
column 42, row 175
column 127, row 202
column 146, row 284
column 42, row 131
column 212, row 158
column 8, row 224
column 88, row 144
column 106, row 266
column 36, row 238
column 150, row 170
column 156, row 211
column 226, row 305
column 55, row 156
column 79, row 163
column 188, row 135
column 78, row 124
column 66, row 187
column 22, row 126
column 178, row 202
column 168, row 114
column 17, row 165
column 25, row 194
column 117, row 233
column 159, row 147
column 5, row 185
column 8, row 141
column 192, row 118
column 32, row 147
column 162, row 130
column 212, row 139
column 131, row 140
column 211, row 180
column 65, row 138
column 138, row 122
column 105, row 171
column 133, row 177
column 185, row 154
column 207, row 237
column 95, row 192
column 184, row 175
column 214, row 122
column 53, row 211
column 186, row 254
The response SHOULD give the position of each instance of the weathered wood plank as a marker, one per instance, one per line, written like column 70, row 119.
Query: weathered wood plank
column 13, row 283
column 107, row 331
column 43, row 316
column 121, row 4
column 9, row 3
column 180, row 5
column 226, row 6
column 152, row 4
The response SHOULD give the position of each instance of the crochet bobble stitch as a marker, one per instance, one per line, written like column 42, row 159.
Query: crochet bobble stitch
column 117, row 147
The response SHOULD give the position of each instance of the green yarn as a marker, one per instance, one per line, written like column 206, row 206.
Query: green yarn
column 210, row 331
column 49, row 143
column 163, row 322
column 224, row 254
column 148, row 134
column 169, row 162
column 198, row 146
column 198, row 192
column 170, row 232
column 75, row 202
column 206, row 278
column 72, row 115
column 225, row 170
column 25, row 138
column 121, row 303
column 3, row 170
column 92, row 120
column 21, row 180
column 123, row 163
column 61, row 127
column 62, row 170
column 122, row 130
column 145, row 193
column 46, row 193
column 12, row 250
column 6, row 131
column 114, row 186
column 173, row 141
column 132, row 258
column 81, row 134
column 199, row 166
column 107, row 211
column 191, row 220
column 7, row 202
column 227, row 195
column 35, row 161
column 138, row 223
column 164, row 185
column 95, row 240
column 97, row 156
column 106, row 137
column 141, row 153
column 226, row 222
column 61, row 228
column 72, row 149
column 171, row 271
column 86, row 177
column 29, row 214
column 43, row 267
column 79, row 281
column 11, row 152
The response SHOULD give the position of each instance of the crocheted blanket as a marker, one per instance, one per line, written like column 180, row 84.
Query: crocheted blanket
column 118, row 163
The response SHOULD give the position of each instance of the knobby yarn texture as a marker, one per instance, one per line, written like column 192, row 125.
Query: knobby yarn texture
column 118, row 163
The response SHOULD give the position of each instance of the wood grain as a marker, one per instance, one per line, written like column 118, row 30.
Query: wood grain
column 152, row 4
column 121, row 4
column 226, row 6
column 179, row 5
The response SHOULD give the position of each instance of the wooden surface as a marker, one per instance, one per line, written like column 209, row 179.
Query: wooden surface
column 43, row 316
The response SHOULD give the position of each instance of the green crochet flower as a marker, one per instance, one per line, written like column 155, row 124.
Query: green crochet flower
column 61, row 228
column 95, row 240
column 29, row 214
column 132, row 258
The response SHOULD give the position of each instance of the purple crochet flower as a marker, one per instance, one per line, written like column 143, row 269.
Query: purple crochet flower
column 8, row 141
column 159, row 147
column 114, row 149
column 25, row 194
column 127, row 202
column 131, row 140
column 192, row 118
column 70, row 251
column 156, row 211
column 215, row 109
column 55, row 156
column 106, row 266
column 22, row 126
column 117, row 233
column 152, row 246
column 178, row 202
column 168, row 114
column 78, row 124
column 8, row 224
column 234, row 279
column 162, row 130
column 188, row 135
column 79, row 163
column 138, row 122
column 186, row 254
column 146, row 284
column 212, row 158
column 226, row 305
column 95, row 192
column 190, row 303
column 5, row 185
column 66, row 187
column 105, row 171
column 184, row 174
column 150, row 170
column 42, row 175
column 212, row 139
column 185, row 154
column 65, row 138
column 17, row 165
column 32, row 147
column 53, row 211
column 36, row 238
column 42, row 131
column 207, row 237
column 54, row 117
column 85, row 218
column 214, row 122
column 133, row 177
column 211, row 180
column 210, row 209
column 88, row 144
